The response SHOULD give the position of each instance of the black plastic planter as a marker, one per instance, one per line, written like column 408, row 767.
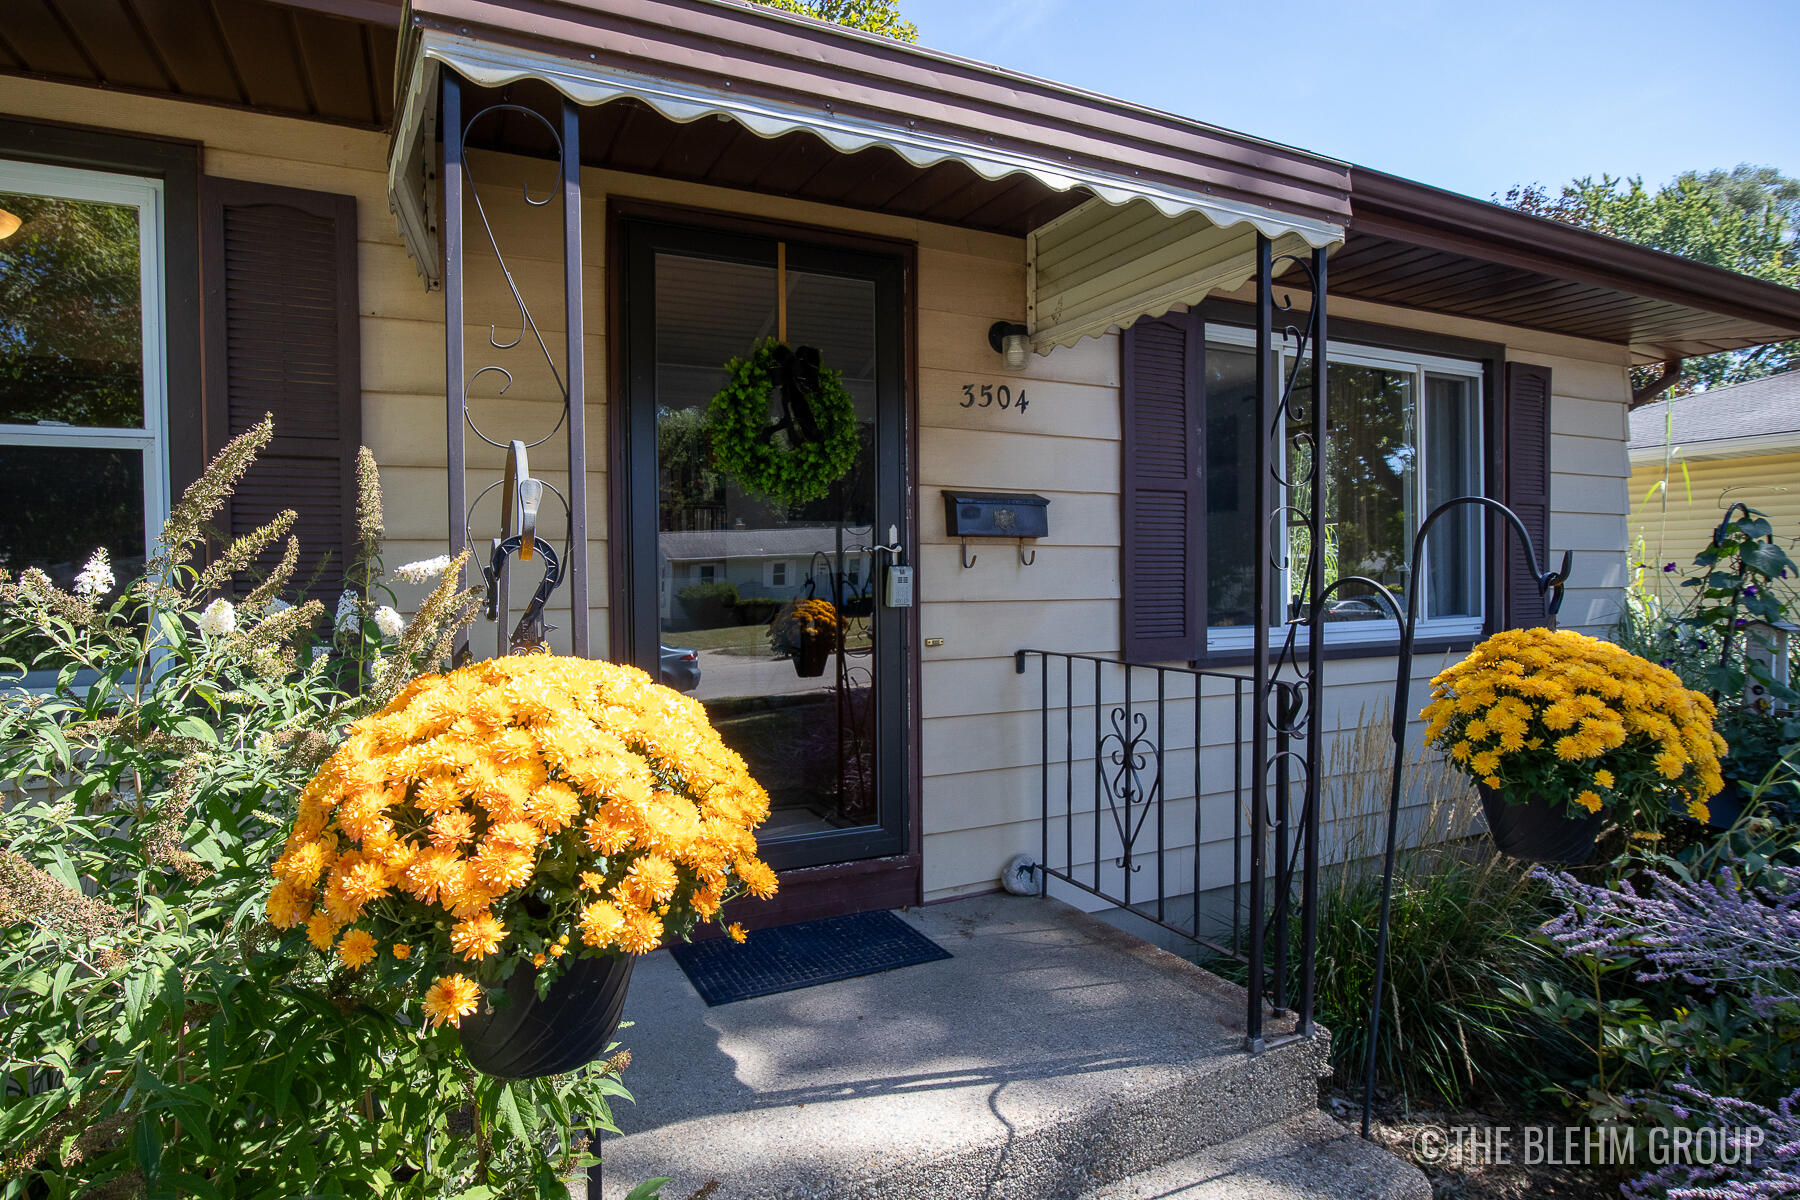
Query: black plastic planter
column 815, row 652
column 570, row 1026
column 1724, row 809
column 1537, row 830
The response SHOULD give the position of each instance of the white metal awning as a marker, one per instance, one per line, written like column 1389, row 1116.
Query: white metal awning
column 1137, row 247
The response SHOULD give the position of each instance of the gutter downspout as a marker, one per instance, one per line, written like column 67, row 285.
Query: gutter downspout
column 1671, row 371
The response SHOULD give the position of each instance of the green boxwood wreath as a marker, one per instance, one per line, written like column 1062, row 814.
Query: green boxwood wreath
column 778, row 464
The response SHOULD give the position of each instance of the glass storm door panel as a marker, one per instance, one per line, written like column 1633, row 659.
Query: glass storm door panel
column 766, row 608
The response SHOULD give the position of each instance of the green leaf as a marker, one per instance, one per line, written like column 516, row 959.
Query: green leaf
column 507, row 1109
column 650, row 1189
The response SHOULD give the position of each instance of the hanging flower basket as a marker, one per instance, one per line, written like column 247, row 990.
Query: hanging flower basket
column 1560, row 730
column 511, row 834
column 525, row 1036
column 1538, row 830
column 806, row 631
column 811, row 444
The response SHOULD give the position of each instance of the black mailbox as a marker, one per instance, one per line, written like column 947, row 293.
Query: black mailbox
column 996, row 515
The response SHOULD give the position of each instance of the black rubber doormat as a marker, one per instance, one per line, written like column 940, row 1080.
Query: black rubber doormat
column 798, row 956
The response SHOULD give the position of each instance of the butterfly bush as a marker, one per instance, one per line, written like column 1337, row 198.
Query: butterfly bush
column 157, row 1036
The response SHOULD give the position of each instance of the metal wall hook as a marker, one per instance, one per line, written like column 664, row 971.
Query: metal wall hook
column 968, row 560
column 1023, row 561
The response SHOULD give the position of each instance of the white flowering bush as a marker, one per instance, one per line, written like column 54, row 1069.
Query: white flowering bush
column 158, row 1038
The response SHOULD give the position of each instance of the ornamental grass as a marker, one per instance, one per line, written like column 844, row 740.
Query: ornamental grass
column 517, row 813
column 1571, row 718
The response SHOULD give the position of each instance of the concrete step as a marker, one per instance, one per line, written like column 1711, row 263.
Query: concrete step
column 1051, row 1054
column 1310, row 1157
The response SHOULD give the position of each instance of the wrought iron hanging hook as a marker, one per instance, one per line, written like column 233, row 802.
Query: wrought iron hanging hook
column 529, row 634
column 1550, row 585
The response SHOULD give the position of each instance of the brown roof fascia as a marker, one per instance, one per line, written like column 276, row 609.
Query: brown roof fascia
column 797, row 60
column 1407, row 211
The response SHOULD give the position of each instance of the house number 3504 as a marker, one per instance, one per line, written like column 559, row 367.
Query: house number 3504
column 987, row 395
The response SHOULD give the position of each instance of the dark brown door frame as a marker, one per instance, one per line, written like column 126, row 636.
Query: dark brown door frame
column 890, row 881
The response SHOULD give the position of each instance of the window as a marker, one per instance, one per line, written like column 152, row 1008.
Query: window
column 82, row 379
column 1405, row 435
column 706, row 573
column 778, row 574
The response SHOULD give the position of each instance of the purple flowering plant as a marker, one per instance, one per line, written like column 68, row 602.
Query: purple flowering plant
column 1695, row 1004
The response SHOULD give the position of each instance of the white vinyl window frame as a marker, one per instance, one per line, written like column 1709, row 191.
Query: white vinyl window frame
column 146, row 195
column 1228, row 639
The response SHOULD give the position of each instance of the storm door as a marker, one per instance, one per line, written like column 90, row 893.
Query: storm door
column 755, row 585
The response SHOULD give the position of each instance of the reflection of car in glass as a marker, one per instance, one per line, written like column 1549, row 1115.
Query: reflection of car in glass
column 680, row 668
column 1354, row 609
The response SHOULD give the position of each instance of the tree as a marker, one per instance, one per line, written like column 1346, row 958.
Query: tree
column 1743, row 220
column 871, row 16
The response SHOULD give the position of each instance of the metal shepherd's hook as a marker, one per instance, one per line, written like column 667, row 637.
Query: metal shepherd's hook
column 1550, row 587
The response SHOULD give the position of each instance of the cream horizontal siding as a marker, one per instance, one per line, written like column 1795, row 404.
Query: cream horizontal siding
column 1675, row 523
column 980, row 727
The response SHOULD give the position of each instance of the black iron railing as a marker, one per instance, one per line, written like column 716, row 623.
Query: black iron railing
column 1150, row 801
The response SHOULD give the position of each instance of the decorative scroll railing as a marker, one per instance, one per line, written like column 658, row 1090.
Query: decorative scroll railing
column 1146, row 781
column 521, row 494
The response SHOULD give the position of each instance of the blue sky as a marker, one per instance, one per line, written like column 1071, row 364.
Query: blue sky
column 1471, row 97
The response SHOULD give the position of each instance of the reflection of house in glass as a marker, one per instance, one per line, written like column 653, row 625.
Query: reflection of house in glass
column 771, row 565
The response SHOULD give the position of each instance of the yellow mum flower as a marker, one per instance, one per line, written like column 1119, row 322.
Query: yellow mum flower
column 402, row 951
column 1603, row 777
column 1589, row 800
column 736, row 932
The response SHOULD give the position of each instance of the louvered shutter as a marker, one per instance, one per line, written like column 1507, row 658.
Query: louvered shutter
column 1527, row 424
column 1163, row 534
column 281, row 334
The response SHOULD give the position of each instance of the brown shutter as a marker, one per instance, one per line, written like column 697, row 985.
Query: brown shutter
column 281, row 333
column 1164, row 528
column 1527, row 424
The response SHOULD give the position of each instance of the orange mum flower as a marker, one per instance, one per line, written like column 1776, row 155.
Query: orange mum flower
column 450, row 999
column 650, row 881
column 357, row 949
column 321, row 930
column 287, row 906
column 451, row 828
column 477, row 936
column 758, row 878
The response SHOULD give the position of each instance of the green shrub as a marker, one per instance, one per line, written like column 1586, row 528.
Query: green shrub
column 709, row 605
column 156, row 1039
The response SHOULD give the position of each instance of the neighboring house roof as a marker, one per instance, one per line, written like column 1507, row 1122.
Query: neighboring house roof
column 711, row 545
column 1758, row 417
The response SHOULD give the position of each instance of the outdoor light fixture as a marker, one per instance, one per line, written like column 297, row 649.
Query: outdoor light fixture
column 9, row 224
column 1012, row 342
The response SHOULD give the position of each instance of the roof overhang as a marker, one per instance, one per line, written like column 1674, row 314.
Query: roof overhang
column 777, row 75
column 1421, row 247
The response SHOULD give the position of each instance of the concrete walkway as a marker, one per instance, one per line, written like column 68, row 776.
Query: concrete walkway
column 1051, row 1055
